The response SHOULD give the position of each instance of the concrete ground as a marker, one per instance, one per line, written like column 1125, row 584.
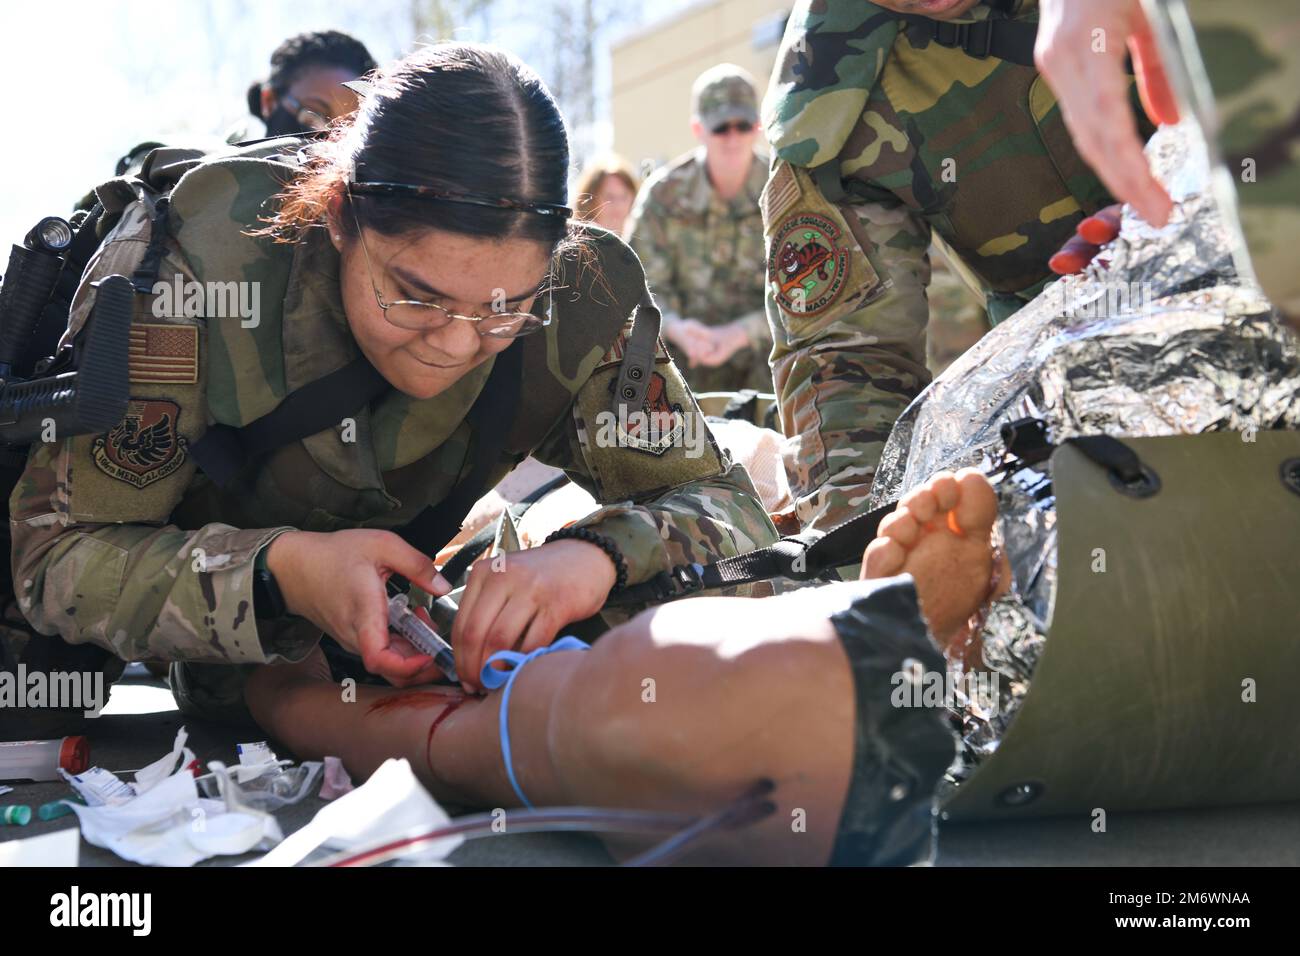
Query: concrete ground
column 140, row 725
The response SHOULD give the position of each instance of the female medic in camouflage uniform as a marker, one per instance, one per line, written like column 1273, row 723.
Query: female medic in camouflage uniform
column 422, row 235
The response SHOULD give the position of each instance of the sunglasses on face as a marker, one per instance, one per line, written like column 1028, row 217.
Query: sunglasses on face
column 735, row 126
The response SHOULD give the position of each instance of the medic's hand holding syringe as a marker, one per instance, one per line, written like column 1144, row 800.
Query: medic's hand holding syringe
column 419, row 632
column 338, row 581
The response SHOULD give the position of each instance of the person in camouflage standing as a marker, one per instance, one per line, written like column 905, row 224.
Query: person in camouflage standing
column 304, row 92
column 697, row 230
column 425, row 248
column 1234, row 68
column 888, row 129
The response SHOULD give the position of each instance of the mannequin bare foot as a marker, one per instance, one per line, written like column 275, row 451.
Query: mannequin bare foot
column 940, row 534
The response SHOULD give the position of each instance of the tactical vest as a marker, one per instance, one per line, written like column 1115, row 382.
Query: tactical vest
column 277, row 391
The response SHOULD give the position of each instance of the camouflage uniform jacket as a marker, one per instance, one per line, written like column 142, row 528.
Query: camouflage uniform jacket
column 119, row 541
column 703, row 258
column 880, row 146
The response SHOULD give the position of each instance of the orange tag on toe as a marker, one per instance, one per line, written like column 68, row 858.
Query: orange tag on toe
column 953, row 526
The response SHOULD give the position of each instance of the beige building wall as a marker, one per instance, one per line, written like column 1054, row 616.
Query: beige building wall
column 653, row 69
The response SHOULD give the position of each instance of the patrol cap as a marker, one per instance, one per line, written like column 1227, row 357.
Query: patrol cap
column 723, row 93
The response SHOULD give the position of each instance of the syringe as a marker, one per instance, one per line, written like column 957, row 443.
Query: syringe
column 407, row 623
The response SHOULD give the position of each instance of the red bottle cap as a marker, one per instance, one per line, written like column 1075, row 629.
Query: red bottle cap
column 74, row 755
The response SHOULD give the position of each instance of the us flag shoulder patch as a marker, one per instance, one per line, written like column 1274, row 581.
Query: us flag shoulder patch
column 164, row 354
column 780, row 193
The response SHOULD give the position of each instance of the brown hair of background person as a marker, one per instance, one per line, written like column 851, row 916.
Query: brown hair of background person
column 304, row 90
column 605, row 192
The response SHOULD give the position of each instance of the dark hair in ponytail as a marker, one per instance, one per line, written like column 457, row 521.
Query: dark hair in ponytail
column 255, row 98
column 461, row 118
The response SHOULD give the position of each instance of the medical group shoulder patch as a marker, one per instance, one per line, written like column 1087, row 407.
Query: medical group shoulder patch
column 807, row 265
column 145, row 446
column 657, row 426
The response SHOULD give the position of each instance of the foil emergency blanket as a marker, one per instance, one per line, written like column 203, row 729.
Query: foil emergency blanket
column 1164, row 339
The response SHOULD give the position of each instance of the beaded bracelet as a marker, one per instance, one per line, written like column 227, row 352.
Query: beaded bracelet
column 602, row 542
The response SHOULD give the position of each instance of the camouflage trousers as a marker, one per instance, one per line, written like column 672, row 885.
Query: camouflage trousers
column 208, row 692
column 842, row 379
column 23, row 651
column 957, row 316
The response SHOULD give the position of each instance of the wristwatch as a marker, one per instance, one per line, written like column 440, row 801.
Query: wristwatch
column 268, row 602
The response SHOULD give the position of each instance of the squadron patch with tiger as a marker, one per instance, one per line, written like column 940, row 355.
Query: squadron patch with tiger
column 807, row 265
column 145, row 446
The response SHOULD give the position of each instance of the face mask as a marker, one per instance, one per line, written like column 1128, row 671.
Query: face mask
column 283, row 123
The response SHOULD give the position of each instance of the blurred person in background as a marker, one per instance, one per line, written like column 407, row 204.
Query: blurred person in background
column 606, row 190
column 303, row 93
column 697, row 228
column 305, row 88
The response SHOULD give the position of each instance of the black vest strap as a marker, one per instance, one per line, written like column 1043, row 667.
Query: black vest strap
column 224, row 451
column 1010, row 40
column 144, row 277
column 638, row 357
column 492, row 414
column 828, row 180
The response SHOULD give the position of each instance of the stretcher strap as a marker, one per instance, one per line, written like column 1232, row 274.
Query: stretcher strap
column 802, row 557
column 470, row 551
column 809, row 556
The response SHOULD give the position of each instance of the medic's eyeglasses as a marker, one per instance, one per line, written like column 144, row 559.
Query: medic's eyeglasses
column 416, row 316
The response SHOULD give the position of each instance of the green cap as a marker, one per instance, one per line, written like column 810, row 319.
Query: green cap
column 19, row 815
column 723, row 93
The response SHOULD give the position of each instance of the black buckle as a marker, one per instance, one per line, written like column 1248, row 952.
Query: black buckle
column 975, row 38
column 668, row 585
column 1026, row 439
column 982, row 47
column 685, row 579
